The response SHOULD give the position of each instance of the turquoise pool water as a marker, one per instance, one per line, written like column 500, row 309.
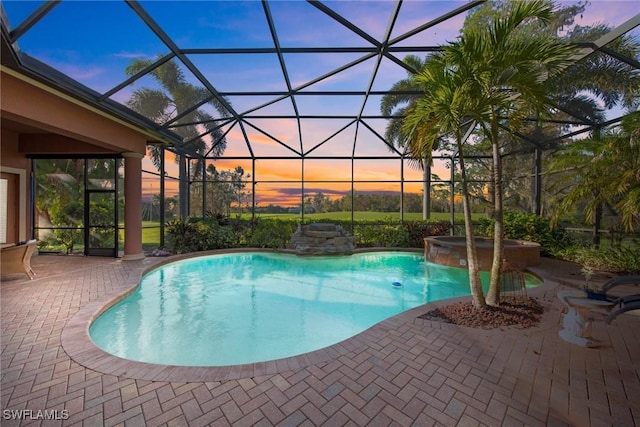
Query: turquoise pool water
column 249, row 307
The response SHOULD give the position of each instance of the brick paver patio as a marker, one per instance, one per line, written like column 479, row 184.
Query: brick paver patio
column 404, row 371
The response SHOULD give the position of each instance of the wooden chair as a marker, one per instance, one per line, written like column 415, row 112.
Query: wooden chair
column 17, row 259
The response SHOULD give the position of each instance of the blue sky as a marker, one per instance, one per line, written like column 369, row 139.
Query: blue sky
column 93, row 41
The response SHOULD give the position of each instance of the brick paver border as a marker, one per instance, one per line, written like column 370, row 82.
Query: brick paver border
column 77, row 342
column 403, row 371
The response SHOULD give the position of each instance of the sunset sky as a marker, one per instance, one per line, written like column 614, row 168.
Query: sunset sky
column 94, row 41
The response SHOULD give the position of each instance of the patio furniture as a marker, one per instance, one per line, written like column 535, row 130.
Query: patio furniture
column 577, row 324
column 619, row 281
column 17, row 259
column 623, row 304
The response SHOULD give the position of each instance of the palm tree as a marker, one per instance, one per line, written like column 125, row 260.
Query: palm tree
column 581, row 91
column 172, row 101
column 442, row 110
column 605, row 170
column 401, row 97
column 600, row 75
column 511, row 68
column 627, row 187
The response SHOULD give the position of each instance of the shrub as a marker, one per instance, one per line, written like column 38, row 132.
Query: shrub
column 418, row 230
column 381, row 235
column 199, row 234
column 68, row 218
column 220, row 237
column 410, row 234
column 101, row 212
column 214, row 232
column 483, row 227
column 180, row 235
column 270, row 233
column 531, row 227
column 615, row 259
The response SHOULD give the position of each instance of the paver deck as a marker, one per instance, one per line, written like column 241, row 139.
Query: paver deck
column 403, row 371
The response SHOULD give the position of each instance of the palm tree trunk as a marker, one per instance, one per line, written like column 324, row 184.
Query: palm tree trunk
column 426, row 190
column 183, row 188
column 493, row 296
column 490, row 201
column 475, row 284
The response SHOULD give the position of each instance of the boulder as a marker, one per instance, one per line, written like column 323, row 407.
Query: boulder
column 322, row 239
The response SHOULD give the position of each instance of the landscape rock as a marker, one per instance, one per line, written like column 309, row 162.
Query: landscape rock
column 322, row 239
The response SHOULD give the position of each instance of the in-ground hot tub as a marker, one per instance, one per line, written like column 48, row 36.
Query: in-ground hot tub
column 452, row 251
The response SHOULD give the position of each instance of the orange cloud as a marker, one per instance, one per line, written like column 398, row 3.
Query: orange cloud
column 278, row 180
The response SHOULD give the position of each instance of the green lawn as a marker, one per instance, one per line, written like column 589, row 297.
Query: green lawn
column 148, row 226
column 151, row 234
column 364, row 216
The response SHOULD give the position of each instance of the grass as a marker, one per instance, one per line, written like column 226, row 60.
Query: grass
column 150, row 235
column 341, row 216
column 362, row 216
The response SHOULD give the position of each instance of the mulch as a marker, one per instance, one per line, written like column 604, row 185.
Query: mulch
column 516, row 312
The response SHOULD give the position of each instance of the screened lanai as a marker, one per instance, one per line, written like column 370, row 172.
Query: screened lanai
column 275, row 106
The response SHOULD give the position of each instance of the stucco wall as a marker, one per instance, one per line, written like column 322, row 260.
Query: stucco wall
column 39, row 120
column 28, row 102
column 9, row 154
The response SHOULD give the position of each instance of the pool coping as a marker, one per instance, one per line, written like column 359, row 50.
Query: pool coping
column 77, row 343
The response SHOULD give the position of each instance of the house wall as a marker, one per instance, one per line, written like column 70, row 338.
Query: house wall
column 39, row 120
column 15, row 169
column 9, row 153
column 32, row 104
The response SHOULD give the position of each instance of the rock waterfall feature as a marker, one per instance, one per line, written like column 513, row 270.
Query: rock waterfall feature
column 322, row 239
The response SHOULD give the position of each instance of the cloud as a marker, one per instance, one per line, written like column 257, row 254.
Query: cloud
column 82, row 72
column 610, row 12
column 133, row 55
column 295, row 191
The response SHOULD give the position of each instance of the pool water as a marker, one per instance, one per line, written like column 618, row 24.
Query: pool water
column 241, row 308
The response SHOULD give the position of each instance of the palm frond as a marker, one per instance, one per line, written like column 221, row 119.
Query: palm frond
column 151, row 103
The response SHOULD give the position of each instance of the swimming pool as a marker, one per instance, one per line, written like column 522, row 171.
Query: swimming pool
column 239, row 308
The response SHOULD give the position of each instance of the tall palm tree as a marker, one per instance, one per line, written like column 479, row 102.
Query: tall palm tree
column 591, row 85
column 511, row 68
column 605, row 170
column 602, row 76
column 441, row 111
column 401, row 97
column 581, row 91
column 173, row 99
